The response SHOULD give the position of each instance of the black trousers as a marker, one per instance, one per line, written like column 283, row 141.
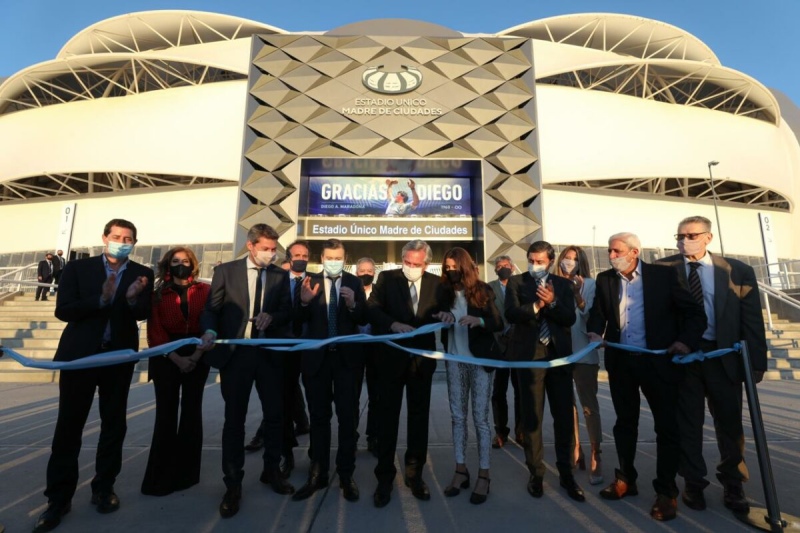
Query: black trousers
column 709, row 380
column 557, row 383
column 76, row 390
column 333, row 383
column 629, row 373
column 247, row 366
column 41, row 292
column 370, row 375
column 292, row 400
column 177, row 445
column 417, row 385
column 500, row 401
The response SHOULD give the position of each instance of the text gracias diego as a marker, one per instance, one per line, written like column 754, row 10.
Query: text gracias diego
column 392, row 106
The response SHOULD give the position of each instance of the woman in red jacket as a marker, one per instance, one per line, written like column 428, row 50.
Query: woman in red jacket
column 179, row 377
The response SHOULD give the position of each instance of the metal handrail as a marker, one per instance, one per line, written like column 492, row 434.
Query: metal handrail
column 768, row 292
column 17, row 270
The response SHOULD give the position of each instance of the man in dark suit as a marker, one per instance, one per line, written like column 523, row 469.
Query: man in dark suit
column 644, row 306
column 401, row 301
column 101, row 299
column 58, row 267
column 540, row 306
column 728, row 291
column 249, row 299
column 333, row 304
column 503, row 268
column 44, row 274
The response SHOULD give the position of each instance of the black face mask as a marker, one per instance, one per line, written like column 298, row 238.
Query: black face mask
column 453, row 276
column 180, row 271
column 299, row 265
column 504, row 273
column 366, row 279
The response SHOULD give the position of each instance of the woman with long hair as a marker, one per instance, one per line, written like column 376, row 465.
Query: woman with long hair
column 475, row 319
column 179, row 377
column 574, row 265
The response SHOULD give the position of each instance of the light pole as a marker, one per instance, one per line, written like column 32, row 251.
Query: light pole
column 716, row 209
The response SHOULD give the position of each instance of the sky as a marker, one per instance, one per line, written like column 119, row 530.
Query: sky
column 757, row 37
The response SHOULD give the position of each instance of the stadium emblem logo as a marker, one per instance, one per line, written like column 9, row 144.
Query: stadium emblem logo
column 392, row 82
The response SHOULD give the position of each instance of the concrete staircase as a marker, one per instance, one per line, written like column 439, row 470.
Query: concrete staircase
column 31, row 328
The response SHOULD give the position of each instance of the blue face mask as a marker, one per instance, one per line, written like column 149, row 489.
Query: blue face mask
column 333, row 268
column 537, row 271
column 119, row 250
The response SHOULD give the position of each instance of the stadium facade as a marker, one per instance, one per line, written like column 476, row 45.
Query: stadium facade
column 197, row 125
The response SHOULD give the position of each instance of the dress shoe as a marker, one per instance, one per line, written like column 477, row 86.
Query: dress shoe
column 734, row 498
column 520, row 438
column 693, row 498
column 477, row 498
column 349, row 488
column 106, row 501
column 287, row 465
column 664, row 508
column 314, row 483
column 230, row 502
column 418, row 488
column 454, row 489
column 535, row 487
column 618, row 490
column 255, row 444
column 573, row 490
column 51, row 517
column 274, row 479
column 499, row 441
column 372, row 446
column 383, row 494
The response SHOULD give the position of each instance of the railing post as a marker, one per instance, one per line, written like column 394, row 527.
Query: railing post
column 769, row 312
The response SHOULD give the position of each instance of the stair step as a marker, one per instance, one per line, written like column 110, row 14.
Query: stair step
column 782, row 375
column 784, row 353
column 783, row 364
column 28, row 333
column 31, row 324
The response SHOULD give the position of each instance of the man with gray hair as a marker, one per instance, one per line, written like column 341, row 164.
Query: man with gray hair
column 401, row 301
column 644, row 306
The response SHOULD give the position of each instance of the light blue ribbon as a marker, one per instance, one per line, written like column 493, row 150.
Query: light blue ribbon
column 293, row 345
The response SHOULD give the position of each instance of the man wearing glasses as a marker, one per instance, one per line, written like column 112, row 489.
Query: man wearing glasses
column 728, row 291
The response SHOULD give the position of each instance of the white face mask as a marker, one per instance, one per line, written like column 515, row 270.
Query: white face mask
column 264, row 258
column 412, row 274
column 568, row 265
column 621, row 264
column 333, row 268
column 537, row 271
column 692, row 248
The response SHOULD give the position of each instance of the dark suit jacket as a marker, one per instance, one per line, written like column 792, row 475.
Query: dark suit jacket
column 78, row 304
column 520, row 297
column 316, row 315
column 57, row 264
column 43, row 271
column 480, row 338
column 670, row 314
column 737, row 309
column 390, row 302
column 501, row 336
column 228, row 308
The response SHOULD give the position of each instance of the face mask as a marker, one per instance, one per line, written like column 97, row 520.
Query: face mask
column 180, row 271
column 503, row 273
column 264, row 258
column 412, row 274
column 693, row 248
column 299, row 265
column 453, row 276
column 118, row 250
column 620, row 264
column 366, row 279
column 333, row 268
column 568, row 265
column 537, row 271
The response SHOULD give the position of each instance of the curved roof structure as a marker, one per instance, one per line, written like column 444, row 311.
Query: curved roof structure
column 158, row 30
column 622, row 34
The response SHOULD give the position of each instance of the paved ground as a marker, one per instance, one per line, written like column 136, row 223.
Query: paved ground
column 27, row 416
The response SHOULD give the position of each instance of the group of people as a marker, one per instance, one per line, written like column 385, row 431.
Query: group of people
column 48, row 274
column 688, row 302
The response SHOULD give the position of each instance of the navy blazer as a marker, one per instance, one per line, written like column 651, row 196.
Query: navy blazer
column 520, row 297
column 347, row 321
column 228, row 308
column 737, row 310
column 78, row 304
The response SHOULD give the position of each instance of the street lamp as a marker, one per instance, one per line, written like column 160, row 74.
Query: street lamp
column 716, row 209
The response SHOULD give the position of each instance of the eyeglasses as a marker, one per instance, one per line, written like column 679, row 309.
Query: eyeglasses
column 690, row 236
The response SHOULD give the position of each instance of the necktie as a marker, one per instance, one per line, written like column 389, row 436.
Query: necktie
column 414, row 297
column 333, row 309
column 50, row 264
column 695, row 287
column 257, row 306
column 297, row 325
column 544, row 330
